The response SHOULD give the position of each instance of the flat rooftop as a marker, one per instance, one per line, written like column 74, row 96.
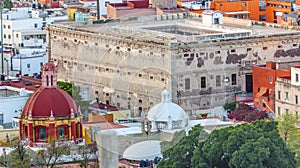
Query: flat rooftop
column 188, row 29
column 182, row 30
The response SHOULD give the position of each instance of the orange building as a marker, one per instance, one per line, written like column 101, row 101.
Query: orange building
column 258, row 10
column 240, row 9
column 264, row 77
column 50, row 3
column 277, row 8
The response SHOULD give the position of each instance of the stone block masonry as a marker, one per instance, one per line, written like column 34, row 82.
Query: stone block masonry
column 127, row 65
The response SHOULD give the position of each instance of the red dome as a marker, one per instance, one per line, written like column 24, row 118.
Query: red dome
column 49, row 66
column 45, row 99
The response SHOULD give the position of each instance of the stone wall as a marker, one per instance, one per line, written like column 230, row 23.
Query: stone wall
column 130, row 71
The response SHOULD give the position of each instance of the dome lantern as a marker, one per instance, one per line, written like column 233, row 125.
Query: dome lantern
column 167, row 115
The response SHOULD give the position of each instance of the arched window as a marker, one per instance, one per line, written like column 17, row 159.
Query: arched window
column 47, row 80
column 42, row 133
column 51, row 80
column 61, row 132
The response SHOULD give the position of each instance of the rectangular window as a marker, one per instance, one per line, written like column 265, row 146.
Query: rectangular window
column 17, row 35
column 286, row 111
column 203, row 82
column 28, row 65
column 218, row 80
column 271, row 79
column 35, row 25
column 42, row 133
column 61, row 132
column 9, row 37
column 278, row 111
column 187, row 83
column 8, row 26
column 262, row 8
column 278, row 94
column 297, row 78
column 244, row 3
column 287, row 95
column 297, row 115
column 296, row 99
column 263, row 18
column 233, row 79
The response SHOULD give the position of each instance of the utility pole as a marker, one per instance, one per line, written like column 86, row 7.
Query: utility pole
column 98, row 9
column 2, row 56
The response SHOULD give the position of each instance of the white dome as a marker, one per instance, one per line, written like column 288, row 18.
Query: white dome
column 166, row 111
column 143, row 150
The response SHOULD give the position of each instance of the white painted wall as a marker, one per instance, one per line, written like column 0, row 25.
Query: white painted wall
column 34, row 64
column 11, row 104
column 295, row 71
column 16, row 20
column 102, row 5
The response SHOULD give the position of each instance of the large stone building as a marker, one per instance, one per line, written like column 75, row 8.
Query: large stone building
column 127, row 62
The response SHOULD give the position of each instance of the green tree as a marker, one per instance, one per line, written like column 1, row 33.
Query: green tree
column 247, row 145
column 244, row 157
column 227, row 146
column 19, row 157
column 287, row 126
column 88, row 153
column 165, row 145
column 8, row 4
column 74, row 91
column 230, row 105
column 50, row 156
column 180, row 155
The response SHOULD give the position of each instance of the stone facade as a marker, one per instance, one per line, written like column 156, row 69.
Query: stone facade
column 128, row 65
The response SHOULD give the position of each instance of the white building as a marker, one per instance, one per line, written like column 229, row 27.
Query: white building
column 12, row 100
column 210, row 17
column 26, row 24
column 29, row 61
column 287, row 93
column 24, row 28
column 196, row 5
